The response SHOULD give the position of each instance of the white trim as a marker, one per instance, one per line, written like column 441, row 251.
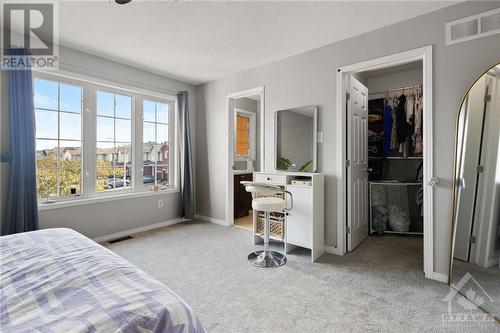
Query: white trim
column 493, row 262
column 230, row 145
column 102, row 198
column 136, row 88
column 425, row 55
column 128, row 232
column 438, row 277
column 211, row 220
column 333, row 250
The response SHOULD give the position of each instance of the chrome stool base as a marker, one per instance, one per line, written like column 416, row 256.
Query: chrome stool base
column 267, row 259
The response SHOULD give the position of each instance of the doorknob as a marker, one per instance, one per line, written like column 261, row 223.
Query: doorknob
column 433, row 181
column 369, row 170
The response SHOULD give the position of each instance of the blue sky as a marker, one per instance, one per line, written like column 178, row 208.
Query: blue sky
column 50, row 95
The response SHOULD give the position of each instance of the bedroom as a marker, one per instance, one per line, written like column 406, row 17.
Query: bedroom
column 151, row 169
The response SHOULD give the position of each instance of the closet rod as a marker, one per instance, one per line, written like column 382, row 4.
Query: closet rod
column 396, row 89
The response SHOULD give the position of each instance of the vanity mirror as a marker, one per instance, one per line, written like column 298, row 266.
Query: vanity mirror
column 295, row 139
column 475, row 253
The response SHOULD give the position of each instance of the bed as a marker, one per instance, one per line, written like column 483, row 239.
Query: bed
column 57, row 280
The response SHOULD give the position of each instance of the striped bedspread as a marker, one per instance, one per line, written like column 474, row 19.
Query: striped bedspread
column 57, row 280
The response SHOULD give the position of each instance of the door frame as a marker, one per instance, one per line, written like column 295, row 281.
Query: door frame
column 230, row 135
column 425, row 55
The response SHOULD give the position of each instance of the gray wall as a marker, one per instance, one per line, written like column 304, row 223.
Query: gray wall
column 104, row 218
column 310, row 79
column 394, row 80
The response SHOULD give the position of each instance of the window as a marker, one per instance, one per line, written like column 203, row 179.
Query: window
column 114, row 141
column 156, row 143
column 58, row 112
column 94, row 153
column 245, row 135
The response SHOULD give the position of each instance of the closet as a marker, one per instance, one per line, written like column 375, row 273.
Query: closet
column 395, row 150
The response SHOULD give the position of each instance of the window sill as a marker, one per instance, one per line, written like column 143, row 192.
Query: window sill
column 101, row 199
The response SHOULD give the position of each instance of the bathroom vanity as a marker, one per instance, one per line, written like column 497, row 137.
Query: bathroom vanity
column 304, row 223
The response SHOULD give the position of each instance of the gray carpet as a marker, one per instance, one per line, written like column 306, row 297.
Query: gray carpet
column 379, row 287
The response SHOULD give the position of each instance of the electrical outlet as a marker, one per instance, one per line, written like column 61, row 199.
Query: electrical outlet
column 160, row 203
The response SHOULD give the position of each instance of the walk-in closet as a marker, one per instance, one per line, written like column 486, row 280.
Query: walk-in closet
column 394, row 142
column 395, row 150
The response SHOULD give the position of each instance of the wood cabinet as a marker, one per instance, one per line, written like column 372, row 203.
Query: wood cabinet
column 242, row 198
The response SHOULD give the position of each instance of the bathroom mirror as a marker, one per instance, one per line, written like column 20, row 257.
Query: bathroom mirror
column 295, row 139
column 475, row 254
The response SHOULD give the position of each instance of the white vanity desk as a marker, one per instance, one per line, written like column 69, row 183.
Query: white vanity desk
column 304, row 223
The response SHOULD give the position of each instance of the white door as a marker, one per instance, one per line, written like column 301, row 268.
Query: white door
column 468, row 170
column 299, row 219
column 357, row 155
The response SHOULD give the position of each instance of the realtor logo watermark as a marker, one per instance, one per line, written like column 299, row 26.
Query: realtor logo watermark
column 32, row 26
column 465, row 312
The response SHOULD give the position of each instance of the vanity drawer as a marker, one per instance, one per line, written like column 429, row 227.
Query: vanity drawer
column 271, row 178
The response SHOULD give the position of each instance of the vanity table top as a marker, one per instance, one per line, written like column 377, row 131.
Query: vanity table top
column 241, row 172
column 291, row 173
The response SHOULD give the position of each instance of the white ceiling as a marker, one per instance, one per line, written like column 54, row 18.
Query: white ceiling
column 201, row 41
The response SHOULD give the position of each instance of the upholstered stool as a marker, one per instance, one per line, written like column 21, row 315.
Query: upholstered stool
column 265, row 258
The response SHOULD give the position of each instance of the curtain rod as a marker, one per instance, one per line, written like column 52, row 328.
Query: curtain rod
column 396, row 89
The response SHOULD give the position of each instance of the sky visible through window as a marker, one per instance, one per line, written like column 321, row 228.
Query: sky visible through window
column 46, row 98
column 59, row 123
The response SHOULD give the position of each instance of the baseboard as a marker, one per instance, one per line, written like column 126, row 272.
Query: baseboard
column 137, row 230
column 439, row 277
column 333, row 250
column 493, row 263
column 210, row 219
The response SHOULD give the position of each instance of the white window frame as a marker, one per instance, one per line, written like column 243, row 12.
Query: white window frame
column 252, row 134
column 171, row 138
column 82, row 143
column 92, row 168
column 88, row 193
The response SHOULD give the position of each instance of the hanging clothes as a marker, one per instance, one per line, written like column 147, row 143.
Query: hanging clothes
column 388, row 122
column 410, row 119
column 394, row 136
column 401, row 123
column 417, row 136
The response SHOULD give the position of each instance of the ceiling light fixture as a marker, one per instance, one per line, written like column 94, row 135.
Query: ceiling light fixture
column 122, row 2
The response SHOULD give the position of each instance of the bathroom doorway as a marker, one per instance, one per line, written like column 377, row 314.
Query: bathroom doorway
column 245, row 153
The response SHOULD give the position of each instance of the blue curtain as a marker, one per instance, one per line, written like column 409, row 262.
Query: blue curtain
column 186, row 186
column 21, row 213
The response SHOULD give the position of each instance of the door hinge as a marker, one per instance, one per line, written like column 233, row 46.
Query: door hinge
column 487, row 98
column 480, row 169
column 347, row 163
column 348, row 96
column 348, row 229
column 472, row 239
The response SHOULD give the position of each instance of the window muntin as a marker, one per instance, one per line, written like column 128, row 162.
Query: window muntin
column 242, row 136
column 58, row 113
column 156, row 143
column 58, row 141
column 113, row 141
column 245, row 135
